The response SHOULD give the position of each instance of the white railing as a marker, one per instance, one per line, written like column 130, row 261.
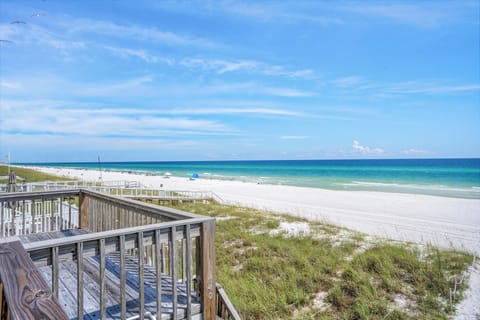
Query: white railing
column 132, row 189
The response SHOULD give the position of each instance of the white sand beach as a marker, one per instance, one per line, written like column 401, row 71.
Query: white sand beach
column 441, row 221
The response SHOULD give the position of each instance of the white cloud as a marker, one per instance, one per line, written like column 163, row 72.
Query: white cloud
column 430, row 88
column 10, row 85
column 394, row 89
column 219, row 66
column 255, row 111
column 279, row 12
column 422, row 14
column 78, row 143
column 222, row 66
column 350, row 81
column 141, row 54
column 135, row 32
column 60, row 120
column 115, row 88
column 366, row 150
column 284, row 92
column 293, row 137
column 35, row 34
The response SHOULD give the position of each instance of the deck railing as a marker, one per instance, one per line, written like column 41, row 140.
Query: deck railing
column 158, row 251
column 129, row 189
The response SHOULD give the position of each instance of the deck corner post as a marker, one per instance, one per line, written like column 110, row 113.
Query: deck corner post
column 83, row 204
column 207, row 261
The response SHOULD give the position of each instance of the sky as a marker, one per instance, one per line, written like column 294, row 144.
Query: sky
column 226, row 80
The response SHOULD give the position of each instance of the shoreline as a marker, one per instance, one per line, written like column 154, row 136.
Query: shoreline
column 441, row 221
column 443, row 178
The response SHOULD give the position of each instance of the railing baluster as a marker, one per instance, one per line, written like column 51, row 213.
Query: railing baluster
column 60, row 210
column 57, row 213
column 174, row 268
column 2, row 221
column 141, row 293
column 184, row 262
column 55, row 271
column 102, row 280
column 80, row 280
column 24, row 222
column 43, row 215
column 158, row 264
column 123, row 301
column 164, row 259
column 69, row 213
column 188, row 249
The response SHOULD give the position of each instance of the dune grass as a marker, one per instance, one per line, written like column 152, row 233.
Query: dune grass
column 29, row 174
column 328, row 272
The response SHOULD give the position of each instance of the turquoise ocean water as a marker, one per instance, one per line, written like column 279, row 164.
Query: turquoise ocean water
column 443, row 177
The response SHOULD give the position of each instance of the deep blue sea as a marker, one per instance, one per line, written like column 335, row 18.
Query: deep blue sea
column 444, row 177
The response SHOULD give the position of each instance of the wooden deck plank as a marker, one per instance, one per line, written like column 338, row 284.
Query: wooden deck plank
column 91, row 283
column 113, row 305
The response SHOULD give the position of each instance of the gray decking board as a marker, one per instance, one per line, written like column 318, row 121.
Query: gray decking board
column 68, row 289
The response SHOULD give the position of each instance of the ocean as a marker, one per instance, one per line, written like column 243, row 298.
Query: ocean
column 442, row 177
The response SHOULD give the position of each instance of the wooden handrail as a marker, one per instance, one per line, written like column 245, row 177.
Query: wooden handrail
column 140, row 206
column 225, row 308
column 26, row 292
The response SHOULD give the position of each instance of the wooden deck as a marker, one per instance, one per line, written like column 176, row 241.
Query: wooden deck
column 91, row 279
column 82, row 254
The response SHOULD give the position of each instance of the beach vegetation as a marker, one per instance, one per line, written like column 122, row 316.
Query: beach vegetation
column 29, row 174
column 271, row 270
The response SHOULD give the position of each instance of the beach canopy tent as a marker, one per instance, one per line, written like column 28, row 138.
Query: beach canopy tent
column 194, row 176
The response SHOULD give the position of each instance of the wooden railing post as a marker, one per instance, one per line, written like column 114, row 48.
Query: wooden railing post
column 83, row 222
column 207, row 269
column 25, row 291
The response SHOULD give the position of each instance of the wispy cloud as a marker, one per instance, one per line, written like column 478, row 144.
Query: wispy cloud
column 106, row 89
column 251, row 111
column 29, row 34
column 280, row 12
column 140, row 54
column 430, row 88
column 416, row 152
column 93, row 143
column 221, row 66
column 10, row 85
column 421, row 14
column 55, row 118
column 136, row 33
column 285, row 92
column 348, row 82
column 393, row 89
column 293, row 137
column 364, row 150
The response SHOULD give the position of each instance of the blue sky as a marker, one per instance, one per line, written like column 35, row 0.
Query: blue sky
column 226, row 80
